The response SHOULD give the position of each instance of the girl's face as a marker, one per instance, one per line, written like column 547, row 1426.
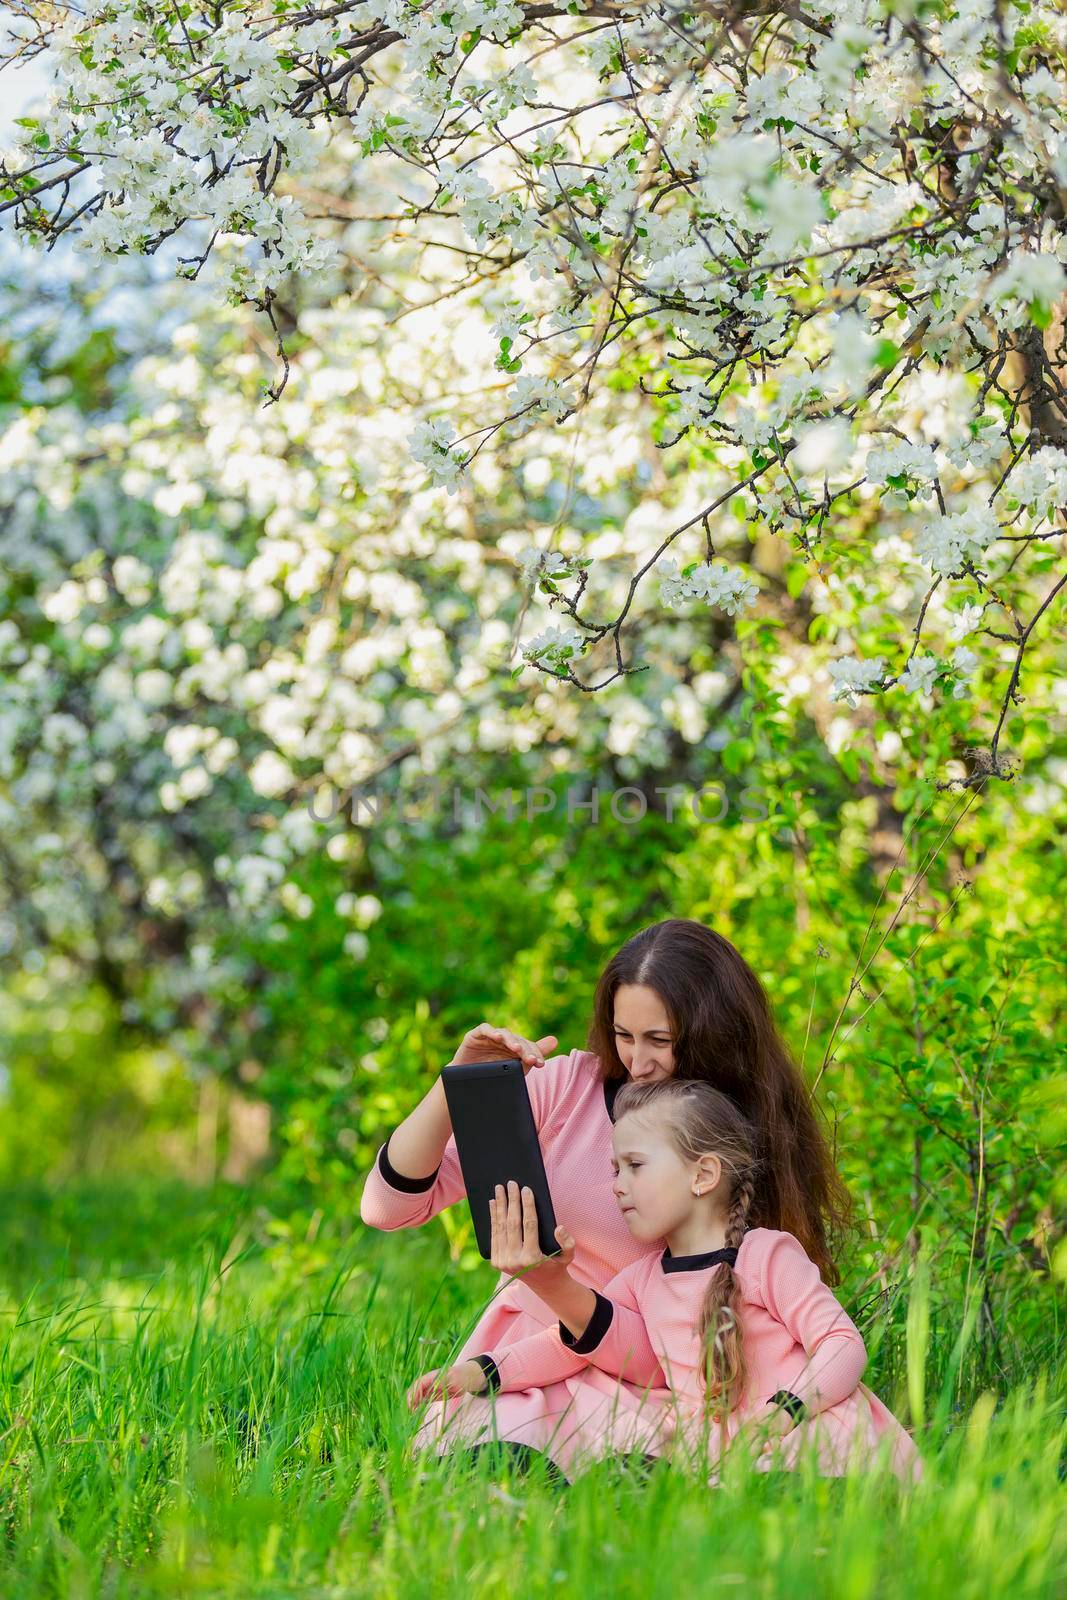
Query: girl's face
column 644, row 1037
column 653, row 1184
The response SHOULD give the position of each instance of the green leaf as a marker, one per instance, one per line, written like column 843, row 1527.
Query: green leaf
column 849, row 762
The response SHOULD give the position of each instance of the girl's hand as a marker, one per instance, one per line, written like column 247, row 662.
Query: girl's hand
column 514, row 1246
column 488, row 1043
column 756, row 1433
column 466, row 1378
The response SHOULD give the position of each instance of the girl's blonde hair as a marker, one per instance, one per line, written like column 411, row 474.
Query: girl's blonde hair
column 701, row 1120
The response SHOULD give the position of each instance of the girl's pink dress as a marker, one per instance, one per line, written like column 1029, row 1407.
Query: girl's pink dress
column 797, row 1337
column 571, row 1108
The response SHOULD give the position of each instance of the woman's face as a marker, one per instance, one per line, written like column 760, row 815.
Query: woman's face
column 643, row 1033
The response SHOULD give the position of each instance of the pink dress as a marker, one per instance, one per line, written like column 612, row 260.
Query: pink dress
column 571, row 1108
column 797, row 1338
column 577, row 1404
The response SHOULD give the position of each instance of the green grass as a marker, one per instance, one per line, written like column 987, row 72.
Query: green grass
column 198, row 1399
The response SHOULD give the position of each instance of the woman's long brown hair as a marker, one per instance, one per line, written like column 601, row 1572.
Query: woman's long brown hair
column 699, row 1120
column 724, row 1034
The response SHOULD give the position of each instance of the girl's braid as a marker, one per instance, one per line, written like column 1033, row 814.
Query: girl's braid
column 740, row 1205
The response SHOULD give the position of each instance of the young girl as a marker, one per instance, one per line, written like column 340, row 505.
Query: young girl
column 729, row 1334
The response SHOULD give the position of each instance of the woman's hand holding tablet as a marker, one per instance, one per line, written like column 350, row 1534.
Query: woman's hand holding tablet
column 488, row 1043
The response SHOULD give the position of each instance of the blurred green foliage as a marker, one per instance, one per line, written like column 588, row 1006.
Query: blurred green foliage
column 79, row 1092
column 921, row 998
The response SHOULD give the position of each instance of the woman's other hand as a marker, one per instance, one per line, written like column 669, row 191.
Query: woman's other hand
column 514, row 1246
column 466, row 1378
column 488, row 1043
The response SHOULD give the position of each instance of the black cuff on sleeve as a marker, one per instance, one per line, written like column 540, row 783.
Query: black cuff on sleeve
column 596, row 1328
column 791, row 1403
column 492, row 1375
column 398, row 1180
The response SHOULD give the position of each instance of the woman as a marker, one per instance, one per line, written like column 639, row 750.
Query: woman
column 676, row 1000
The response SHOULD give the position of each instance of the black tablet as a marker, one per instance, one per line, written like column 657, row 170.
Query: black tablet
column 496, row 1140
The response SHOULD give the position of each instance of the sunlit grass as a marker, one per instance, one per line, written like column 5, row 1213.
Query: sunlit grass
column 207, row 1412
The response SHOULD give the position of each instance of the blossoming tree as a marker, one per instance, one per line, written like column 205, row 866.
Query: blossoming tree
column 820, row 246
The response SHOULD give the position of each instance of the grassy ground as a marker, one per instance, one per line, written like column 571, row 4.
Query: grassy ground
column 196, row 1399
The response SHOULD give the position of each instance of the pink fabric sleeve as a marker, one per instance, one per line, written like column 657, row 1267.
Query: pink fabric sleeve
column 539, row 1359
column 385, row 1204
column 616, row 1338
column 794, row 1292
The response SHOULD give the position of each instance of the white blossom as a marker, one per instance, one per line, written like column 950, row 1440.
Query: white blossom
column 901, row 456
column 1040, row 480
column 556, row 647
column 919, row 674
column 964, row 622
column 964, row 662
column 851, row 676
column 546, row 563
column 270, row 775
column 1031, row 275
column 713, row 582
column 945, row 542
column 824, row 447
column 429, row 444
column 66, row 603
